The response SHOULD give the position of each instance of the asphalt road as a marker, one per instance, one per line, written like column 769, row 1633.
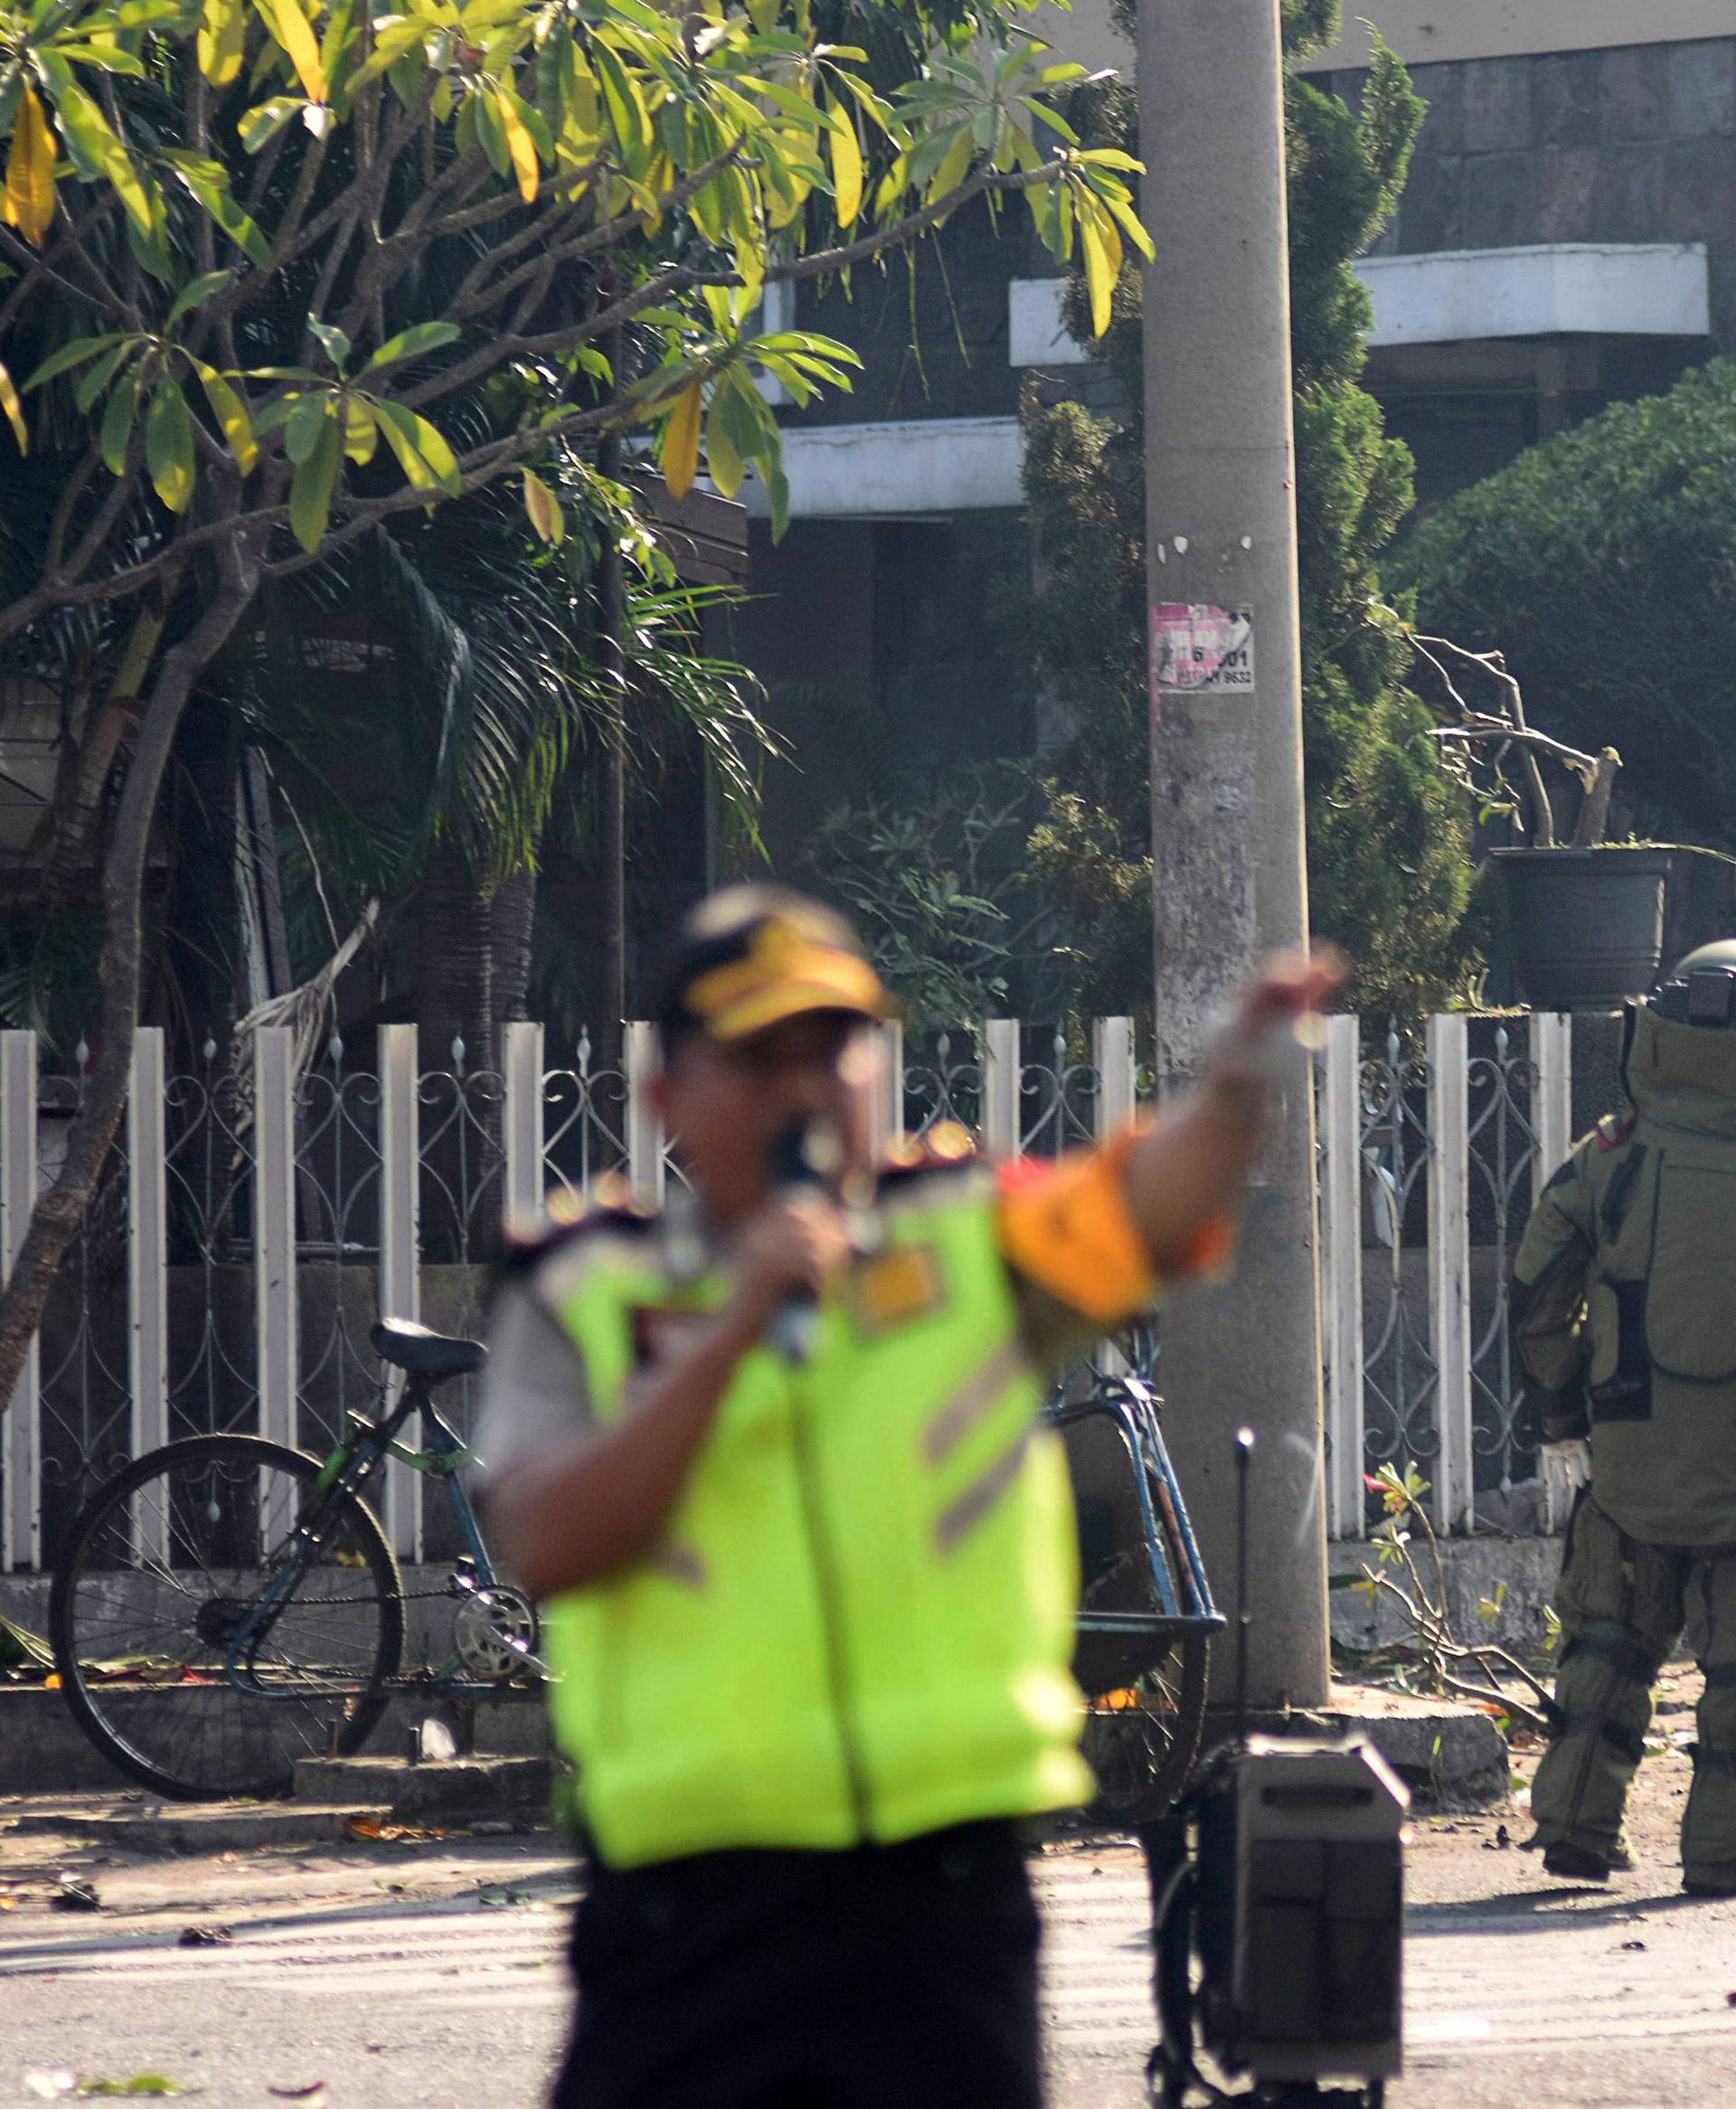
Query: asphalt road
column 429, row 1976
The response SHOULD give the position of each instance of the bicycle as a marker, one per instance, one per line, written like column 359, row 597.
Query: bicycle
column 228, row 1603
column 210, row 1623
column 1146, row 1617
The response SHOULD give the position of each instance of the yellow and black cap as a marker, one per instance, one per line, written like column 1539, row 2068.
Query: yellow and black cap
column 752, row 956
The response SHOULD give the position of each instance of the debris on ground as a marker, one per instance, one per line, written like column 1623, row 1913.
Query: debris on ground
column 75, row 1896
column 205, row 1936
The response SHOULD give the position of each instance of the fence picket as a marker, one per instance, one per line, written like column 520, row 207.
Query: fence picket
column 400, row 1250
column 522, row 1060
column 1551, row 1120
column 1001, row 1087
column 1426, row 1408
column 887, row 1113
column 1341, row 1272
column 273, row 1230
column 21, row 1431
column 1449, row 1267
column 147, row 1272
column 647, row 1169
column 1552, row 1093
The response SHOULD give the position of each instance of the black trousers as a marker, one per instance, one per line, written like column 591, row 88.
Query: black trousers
column 887, row 1977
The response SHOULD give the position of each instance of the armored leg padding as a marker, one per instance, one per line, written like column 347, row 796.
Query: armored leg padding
column 1620, row 1608
column 1709, row 1821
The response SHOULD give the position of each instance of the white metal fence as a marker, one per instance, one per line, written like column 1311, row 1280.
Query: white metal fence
column 1430, row 1159
column 256, row 1215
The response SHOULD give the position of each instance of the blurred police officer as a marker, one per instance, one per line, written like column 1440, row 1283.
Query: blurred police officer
column 774, row 1459
column 1625, row 1304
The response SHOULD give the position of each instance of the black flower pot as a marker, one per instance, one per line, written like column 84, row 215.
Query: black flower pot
column 1585, row 927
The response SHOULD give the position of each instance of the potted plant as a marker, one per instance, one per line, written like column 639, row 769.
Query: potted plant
column 1583, row 919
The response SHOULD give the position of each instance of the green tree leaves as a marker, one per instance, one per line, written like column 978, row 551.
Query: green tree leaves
column 1602, row 564
column 1389, row 868
column 679, row 150
column 168, row 447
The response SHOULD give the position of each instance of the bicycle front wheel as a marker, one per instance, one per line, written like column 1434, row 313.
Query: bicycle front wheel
column 216, row 1618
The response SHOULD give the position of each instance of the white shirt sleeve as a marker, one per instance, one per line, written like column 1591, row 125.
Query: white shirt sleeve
column 534, row 1395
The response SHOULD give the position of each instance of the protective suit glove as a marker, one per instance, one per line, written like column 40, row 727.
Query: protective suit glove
column 1573, row 1457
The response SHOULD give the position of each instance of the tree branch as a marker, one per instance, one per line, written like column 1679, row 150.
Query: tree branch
column 822, row 262
column 39, row 271
column 60, row 1208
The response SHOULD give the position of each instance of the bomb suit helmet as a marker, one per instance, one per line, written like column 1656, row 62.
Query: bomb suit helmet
column 1701, row 991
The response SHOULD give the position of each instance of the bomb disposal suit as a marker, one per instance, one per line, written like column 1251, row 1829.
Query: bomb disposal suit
column 1625, row 1304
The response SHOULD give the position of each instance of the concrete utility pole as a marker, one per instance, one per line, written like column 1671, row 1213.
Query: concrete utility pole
column 1226, row 782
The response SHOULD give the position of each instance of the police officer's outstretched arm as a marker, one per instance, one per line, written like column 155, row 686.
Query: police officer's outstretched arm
column 1181, row 1175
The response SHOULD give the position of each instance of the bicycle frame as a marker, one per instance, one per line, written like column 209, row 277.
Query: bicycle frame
column 360, row 1452
column 1172, row 1554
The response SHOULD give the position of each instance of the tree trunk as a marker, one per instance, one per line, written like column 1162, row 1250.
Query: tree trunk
column 77, row 826
column 60, row 1207
column 455, row 964
column 513, row 926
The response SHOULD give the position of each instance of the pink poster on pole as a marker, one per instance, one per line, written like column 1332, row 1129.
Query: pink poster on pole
column 1197, row 650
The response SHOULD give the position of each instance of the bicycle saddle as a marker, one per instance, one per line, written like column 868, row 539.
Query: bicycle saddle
column 408, row 1346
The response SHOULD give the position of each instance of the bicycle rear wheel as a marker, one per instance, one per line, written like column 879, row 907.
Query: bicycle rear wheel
column 167, row 1564
column 1140, row 1741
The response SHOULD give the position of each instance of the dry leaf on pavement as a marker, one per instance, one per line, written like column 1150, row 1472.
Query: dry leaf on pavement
column 370, row 1828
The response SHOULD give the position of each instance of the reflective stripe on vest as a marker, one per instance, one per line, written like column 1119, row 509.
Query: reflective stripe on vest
column 858, row 1621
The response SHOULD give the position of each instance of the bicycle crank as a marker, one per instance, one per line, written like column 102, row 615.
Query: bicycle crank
column 495, row 1633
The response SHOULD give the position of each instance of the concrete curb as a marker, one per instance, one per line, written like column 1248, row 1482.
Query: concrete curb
column 1450, row 1755
column 431, row 1787
column 43, row 1749
column 193, row 1826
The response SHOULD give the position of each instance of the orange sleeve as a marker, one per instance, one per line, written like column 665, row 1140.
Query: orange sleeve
column 1066, row 1229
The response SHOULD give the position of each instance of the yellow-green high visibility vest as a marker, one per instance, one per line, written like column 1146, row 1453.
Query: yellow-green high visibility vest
column 858, row 1624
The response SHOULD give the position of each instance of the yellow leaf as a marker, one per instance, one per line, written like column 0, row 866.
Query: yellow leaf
column 681, row 441
column 954, row 167
column 14, row 410
column 1111, row 241
column 294, row 31
column 846, row 165
column 1099, row 273
column 519, row 145
column 29, row 205
column 361, row 434
column 223, row 41
column 544, row 509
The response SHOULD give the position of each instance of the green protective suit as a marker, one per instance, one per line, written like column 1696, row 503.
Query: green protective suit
column 1625, row 1312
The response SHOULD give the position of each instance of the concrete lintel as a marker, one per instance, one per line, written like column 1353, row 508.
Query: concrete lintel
column 1548, row 289
column 1571, row 289
column 906, row 467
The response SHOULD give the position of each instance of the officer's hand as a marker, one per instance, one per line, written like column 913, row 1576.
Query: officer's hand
column 1249, row 1048
column 794, row 1244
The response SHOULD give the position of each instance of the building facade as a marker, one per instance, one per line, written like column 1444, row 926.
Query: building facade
column 1567, row 238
